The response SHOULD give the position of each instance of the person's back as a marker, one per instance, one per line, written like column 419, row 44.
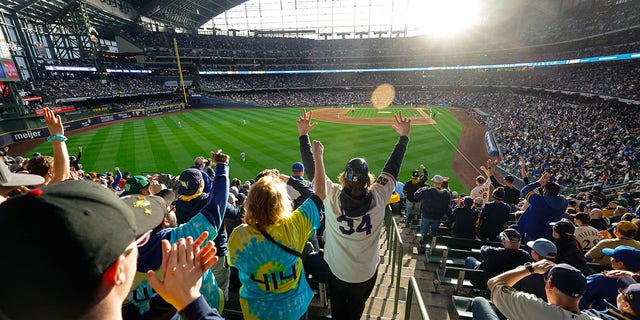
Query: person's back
column 496, row 260
column 354, row 219
column 252, row 246
column 462, row 221
column 586, row 235
column 543, row 209
column 493, row 220
column 434, row 206
column 602, row 290
column 569, row 250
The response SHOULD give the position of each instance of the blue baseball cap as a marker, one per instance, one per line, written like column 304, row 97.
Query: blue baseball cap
column 630, row 256
column 297, row 167
column 544, row 248
column 568, row 280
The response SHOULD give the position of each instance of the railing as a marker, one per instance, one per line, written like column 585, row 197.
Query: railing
column 413, row 288
column 395, row 246
column 396, row 252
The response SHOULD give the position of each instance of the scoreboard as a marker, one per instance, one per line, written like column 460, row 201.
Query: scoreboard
column 8, row 70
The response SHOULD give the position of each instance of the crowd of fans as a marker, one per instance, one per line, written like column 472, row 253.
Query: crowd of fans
column 616, row 79
column 89, row 87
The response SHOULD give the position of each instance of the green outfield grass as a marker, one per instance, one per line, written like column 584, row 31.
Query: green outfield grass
column 270, row 140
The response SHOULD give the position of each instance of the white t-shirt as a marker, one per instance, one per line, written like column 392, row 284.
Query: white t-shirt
column 482, row 191
column 351, row 249
column 517, row 305
column 587, row 236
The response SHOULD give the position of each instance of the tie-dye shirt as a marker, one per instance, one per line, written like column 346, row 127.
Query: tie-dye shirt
column 272, row 279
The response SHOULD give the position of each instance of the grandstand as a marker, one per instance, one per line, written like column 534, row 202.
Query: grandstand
column 555, row 83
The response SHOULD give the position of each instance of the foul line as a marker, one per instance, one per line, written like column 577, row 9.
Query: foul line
column 458, row 150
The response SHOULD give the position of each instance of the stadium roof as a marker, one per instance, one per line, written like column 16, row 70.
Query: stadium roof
column 117, row 14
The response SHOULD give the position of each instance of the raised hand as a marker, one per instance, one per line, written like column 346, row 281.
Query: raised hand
column 402, row 125
column 54, row 122
column 317, row 148
column 304, row 123
column 219, row 157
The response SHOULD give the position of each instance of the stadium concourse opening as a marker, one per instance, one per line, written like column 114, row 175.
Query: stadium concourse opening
column 341, row 115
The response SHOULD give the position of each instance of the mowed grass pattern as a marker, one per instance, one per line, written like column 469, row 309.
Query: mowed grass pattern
column 270, row 140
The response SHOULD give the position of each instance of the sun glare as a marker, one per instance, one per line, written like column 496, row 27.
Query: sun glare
column 444, row 18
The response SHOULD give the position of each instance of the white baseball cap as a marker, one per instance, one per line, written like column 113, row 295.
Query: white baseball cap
column 10, row 179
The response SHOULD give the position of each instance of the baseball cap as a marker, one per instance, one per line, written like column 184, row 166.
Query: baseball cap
column 621, row 201
column 415, row 174
column 10, row 179
column 454, row 194
column 65, row 236
column 190, row 180
column 593, row 205
column 568, row 280
column 297, row 167
column 544, row 248
column 437, row 178
column 468, row 201
column 630, row 256
column 167, row 195
column 356, row 170
column 134, row 184
column 563, row 227
column 510, row 179
column 510, row 234
column 498, row 193
column 626, row 226
column 631, row 290
column 478, row 201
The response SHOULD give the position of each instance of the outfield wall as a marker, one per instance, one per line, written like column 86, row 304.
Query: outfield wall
column 38, row 133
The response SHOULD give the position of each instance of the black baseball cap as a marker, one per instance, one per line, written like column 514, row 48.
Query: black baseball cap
column 568, row 280
column 631, row 290
column 61, row 239
column 415, row 174
column 511, row 235
column 357, row 171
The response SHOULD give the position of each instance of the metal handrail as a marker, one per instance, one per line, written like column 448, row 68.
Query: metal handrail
column 413, row 287
column 396, row 252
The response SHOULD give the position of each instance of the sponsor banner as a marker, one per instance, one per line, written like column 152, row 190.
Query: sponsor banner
column 29, row 134
column 10, row 70
column 40, row 112
column 107, row 118
column 187, row 83
column 125, row 115
column 36, row 98
column 74, row 99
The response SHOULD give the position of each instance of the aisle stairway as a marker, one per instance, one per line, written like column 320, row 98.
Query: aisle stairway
column 381, row 304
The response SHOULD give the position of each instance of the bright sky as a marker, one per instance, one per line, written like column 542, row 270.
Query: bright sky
column 441, row 18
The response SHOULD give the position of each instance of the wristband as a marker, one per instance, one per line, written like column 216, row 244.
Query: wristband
column 58, row 137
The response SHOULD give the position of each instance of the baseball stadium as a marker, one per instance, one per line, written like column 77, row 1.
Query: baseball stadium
column 481, row 158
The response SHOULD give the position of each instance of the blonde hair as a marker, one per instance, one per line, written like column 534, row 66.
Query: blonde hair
column 268, row 202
